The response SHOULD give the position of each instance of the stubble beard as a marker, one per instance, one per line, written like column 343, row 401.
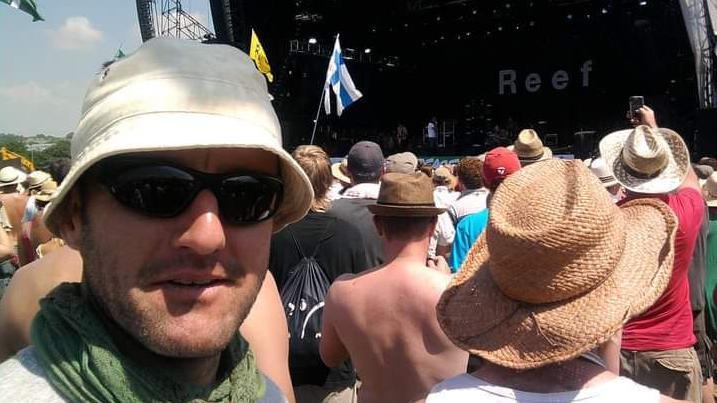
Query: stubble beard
column 146, row 324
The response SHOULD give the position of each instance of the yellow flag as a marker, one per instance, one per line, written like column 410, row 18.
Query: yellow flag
column 257, row 54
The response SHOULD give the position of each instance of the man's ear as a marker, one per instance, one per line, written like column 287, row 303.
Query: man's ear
column 70, row 220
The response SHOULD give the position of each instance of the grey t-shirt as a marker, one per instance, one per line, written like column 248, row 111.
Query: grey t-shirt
column 22, row 379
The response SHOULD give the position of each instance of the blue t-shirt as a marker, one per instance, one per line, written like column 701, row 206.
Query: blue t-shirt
column 467, row 231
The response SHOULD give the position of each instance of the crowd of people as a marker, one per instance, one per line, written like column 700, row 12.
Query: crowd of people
column 186, row 256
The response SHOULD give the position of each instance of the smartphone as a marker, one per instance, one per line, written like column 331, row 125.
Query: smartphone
column 636, row 102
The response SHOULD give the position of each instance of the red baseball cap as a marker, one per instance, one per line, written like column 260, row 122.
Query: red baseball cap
column 498, row 164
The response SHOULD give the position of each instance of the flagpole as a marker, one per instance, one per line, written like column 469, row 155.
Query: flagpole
column 318, row 112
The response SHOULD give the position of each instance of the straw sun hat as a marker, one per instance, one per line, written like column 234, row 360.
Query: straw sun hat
column 339, row 170
column 559, row 269
column 174, row 94
column 646, row 160
column 529, row 148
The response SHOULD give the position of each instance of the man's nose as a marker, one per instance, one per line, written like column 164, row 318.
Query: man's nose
column 204, row 233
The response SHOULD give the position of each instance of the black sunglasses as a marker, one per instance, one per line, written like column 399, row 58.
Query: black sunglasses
column 165, row 190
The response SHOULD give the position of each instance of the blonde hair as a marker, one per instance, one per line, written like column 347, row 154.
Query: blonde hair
column 317, row 166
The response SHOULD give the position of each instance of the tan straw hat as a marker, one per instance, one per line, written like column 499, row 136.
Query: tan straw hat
column 646, row 160
column 405, row 195
column 709, row 190
column 36, row 178
column 529, row 148
column 47, row 191
column 339, row 170
column 559, row 269
column 174, row 94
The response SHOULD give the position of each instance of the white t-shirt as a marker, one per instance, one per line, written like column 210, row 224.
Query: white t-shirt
column 468, row 202
column 431, row 129
column 443, row 198
column 467, row 388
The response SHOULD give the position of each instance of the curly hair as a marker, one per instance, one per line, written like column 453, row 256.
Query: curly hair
column 317, row 166
column 468, row 172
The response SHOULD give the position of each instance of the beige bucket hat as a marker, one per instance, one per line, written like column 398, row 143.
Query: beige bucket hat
column 174, row 94
column 529, row 148
column 646, row 160
column 405, row 163
column 709, row 190
column 559, row 269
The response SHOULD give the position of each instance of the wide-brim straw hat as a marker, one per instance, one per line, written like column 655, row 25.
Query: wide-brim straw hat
column 339, row 171
column 646, row 160
column 559, row 269
column 174, row 94
column 709, row 190
column 405, row 195
column 529, row 148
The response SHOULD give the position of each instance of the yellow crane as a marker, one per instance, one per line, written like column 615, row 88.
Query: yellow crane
column 9, row 155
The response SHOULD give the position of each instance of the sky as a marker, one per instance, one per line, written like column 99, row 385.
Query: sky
column 46, row 66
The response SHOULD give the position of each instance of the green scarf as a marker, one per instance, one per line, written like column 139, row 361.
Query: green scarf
column 84, row 364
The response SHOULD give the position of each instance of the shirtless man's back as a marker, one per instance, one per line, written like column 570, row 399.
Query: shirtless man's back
column 388, row 324
column 385, row 319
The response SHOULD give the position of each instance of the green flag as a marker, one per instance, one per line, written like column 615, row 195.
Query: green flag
column 27, row 6
column 120, row 54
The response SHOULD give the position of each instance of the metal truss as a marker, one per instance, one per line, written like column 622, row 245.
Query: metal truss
column 168, row 18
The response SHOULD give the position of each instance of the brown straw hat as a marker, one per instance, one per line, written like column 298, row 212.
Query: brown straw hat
column 559, row 269
column 529, row 148
column 405, row 195
column 646, row 160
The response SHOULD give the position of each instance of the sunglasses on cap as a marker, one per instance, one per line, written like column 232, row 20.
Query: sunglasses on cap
column 164, row 190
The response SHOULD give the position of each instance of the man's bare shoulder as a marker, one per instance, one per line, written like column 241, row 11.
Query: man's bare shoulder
column 59, row 266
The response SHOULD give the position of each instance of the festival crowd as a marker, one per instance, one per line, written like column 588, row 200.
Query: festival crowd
column 186, row 256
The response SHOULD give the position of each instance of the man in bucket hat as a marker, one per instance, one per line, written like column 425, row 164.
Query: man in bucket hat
column 552, row 279
column 177, row 183
column 657, row 346
column 384, row 318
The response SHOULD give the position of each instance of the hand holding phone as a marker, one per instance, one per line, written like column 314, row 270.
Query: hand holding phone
column 636, row 102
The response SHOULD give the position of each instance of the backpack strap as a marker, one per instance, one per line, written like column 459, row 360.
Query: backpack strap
column 296, row 243
column 454, row 216
column 321, row 238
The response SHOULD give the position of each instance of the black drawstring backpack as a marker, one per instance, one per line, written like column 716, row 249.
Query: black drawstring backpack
column 303, row 296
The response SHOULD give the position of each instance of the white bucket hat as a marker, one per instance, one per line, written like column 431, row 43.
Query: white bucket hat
column 174, row 94
column 646, row 160
column 11, row 176
column 599, row 168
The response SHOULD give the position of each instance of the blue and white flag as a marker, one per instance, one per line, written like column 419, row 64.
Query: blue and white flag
column 338, row 78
